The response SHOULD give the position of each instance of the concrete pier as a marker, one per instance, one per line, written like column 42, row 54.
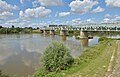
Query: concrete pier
column 41, row 31
column 45, row 32
column 83, row 34
column 62, row 33
column 52, row 32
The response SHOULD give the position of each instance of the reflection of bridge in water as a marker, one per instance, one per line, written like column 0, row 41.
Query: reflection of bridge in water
column 84, row 42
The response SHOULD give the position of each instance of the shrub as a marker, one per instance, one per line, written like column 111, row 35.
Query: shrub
column 56, row 57
column 40, row 73
column 103, row 38
column 3, row 75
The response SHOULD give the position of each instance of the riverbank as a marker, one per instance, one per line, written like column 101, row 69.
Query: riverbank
column 93, row 62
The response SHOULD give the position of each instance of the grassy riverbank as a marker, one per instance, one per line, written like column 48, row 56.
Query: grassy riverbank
column 93, row 62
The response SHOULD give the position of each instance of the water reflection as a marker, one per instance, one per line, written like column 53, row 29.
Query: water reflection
column 16, row 59
column 63, row 38
column 20, row 54
column 21, row 64
column 84, row 42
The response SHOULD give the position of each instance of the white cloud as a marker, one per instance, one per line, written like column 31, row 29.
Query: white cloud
column 56, row 14
column 81, row 7
column 35, row 3
column 107, row 16
column 113, row 3
column 98, row 9
column 90, row 20
column 106, row 20
column 35, row 13
column 111, row 19
column 117, row 18
column 76, row 20
column 17, row 23
column 50, row 2
column 5, row 15
column 62, row 14
column 13, row 21
column 6, row 7
column 5, row 10
column 21, row 1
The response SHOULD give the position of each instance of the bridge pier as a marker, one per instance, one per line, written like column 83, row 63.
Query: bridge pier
column 83, row 34
column 62, row 33
column 41, row 31
column 52, row 32
column 45, row 32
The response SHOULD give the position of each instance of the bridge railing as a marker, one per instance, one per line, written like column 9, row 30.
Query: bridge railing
column 84, row 28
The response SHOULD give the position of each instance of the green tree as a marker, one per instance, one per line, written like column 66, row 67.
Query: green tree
column 56, row 57
column 13, row 26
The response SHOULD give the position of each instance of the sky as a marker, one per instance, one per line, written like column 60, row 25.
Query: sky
column 37, row 13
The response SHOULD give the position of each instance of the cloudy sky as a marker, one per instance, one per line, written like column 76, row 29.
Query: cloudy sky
column 44, row 12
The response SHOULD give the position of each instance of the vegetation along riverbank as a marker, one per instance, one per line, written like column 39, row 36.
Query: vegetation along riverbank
column 93, row 62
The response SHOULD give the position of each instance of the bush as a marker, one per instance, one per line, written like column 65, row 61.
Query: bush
column 40, row 73
column 3, row 75
column 56, row 57
column 103, row 38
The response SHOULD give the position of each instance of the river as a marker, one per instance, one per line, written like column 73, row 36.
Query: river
column 20, row 53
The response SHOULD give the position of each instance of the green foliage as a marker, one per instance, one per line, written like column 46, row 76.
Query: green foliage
column 15, row 30
column 90, row 54
column 3, row 75
column 40, row 73
column 56, row 57
column 103, row 39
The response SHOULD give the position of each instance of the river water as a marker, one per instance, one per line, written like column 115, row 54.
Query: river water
column 20, row 54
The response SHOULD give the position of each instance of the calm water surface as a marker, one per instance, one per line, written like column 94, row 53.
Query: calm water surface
column 20, row 54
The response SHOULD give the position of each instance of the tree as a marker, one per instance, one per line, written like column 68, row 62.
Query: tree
column 13, row 26
column 38, row 28
column 56, row 57
column 1, row 27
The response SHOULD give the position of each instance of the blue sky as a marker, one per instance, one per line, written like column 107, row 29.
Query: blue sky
column 70, row 12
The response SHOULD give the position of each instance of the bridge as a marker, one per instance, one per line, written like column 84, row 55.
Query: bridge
column 82, row 28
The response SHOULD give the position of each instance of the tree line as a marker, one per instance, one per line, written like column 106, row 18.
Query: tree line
column 12, row 30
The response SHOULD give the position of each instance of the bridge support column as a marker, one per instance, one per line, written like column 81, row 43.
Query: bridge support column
column 62, row 32
column 83, row 34
column 52, row 32
column 45, row 32
column 41, row 31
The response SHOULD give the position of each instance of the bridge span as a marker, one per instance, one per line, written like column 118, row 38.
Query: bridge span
column 83, row 29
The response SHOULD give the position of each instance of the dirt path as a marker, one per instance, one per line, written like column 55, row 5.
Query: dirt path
column 116, row 71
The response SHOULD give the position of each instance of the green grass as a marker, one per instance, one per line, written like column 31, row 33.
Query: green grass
column 93, row 62
column 98, row 65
